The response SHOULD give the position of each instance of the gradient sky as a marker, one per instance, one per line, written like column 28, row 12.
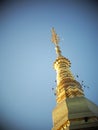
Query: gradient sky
column 27, row 56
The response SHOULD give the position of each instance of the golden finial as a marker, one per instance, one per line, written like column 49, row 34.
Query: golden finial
column 55, row 40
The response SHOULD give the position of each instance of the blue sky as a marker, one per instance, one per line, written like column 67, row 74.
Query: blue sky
column 27, row 56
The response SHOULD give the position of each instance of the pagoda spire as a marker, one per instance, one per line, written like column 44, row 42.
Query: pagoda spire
column 73, row 111
column 67, row 86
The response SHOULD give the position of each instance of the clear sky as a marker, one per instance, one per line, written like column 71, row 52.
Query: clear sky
column 27, row 56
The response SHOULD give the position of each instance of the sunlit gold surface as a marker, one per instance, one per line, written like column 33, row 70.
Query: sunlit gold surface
column 67, row 86
column 72, row 106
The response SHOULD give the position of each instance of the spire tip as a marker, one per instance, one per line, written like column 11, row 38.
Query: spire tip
column 55, row 38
